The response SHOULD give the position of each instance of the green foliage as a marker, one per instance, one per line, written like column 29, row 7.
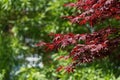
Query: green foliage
column 22, row 24
column 2, row 75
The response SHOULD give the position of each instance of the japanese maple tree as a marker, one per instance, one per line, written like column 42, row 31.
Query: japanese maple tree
column 97, row 44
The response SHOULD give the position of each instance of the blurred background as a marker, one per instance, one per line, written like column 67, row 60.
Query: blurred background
column 23, row 23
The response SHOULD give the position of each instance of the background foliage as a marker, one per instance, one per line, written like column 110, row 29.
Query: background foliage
column 23, row 23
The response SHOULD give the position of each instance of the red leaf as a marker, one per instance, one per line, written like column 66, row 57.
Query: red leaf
column 41, row 44
column 59, row 68
column 70, row 5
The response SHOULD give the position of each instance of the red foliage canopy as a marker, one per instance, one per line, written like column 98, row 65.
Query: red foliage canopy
column 94, row 11
column 97, row 44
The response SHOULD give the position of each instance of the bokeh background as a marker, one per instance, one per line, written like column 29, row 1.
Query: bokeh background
column 23, row 23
